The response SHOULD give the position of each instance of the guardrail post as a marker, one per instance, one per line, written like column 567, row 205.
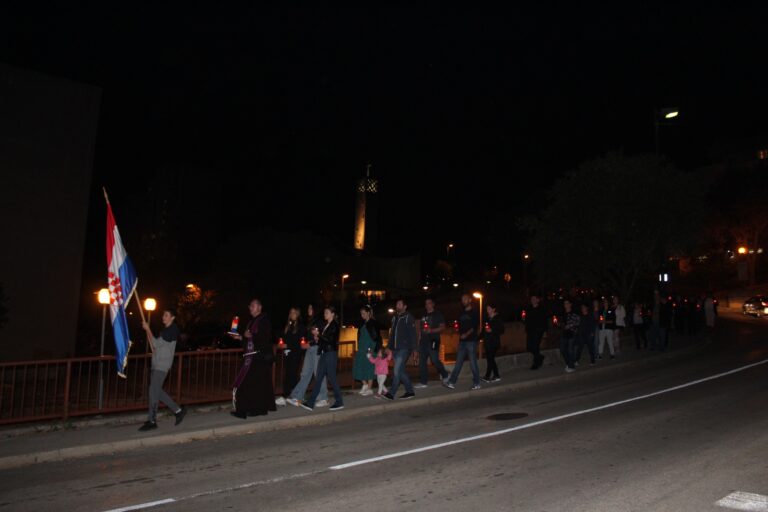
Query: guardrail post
column 67, row 383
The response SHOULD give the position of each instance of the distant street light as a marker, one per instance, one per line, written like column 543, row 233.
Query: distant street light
column 343, row 278
column 363, row 282
column 104, row 299
column 660, row 115
column 455, row 285
column 742, row 250
column 448, row 250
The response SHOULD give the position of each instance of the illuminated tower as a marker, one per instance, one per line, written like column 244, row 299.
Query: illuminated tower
column 365, row 211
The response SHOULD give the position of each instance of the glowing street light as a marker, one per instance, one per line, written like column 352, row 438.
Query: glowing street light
column 104, row 299
column 742, row 250
column 455, row 285
column 343, row 278
column 672, row 114
column 150, row 305
column 479, row 296
column 661, row 115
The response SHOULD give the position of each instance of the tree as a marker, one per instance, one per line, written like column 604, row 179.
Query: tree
column 614, row 221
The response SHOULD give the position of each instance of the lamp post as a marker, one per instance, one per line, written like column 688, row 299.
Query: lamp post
column 479, row 296
column 448, row 250
column 103, row 297
column 343, row 278
column 526, row 259
column 149, row 306
column 659, row 117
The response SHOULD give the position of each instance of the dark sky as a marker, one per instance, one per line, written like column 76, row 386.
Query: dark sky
column 465, row 114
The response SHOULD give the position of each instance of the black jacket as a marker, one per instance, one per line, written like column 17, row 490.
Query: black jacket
column 329, row 338
column 491, row 333
column 293, row 339
column 536, row 319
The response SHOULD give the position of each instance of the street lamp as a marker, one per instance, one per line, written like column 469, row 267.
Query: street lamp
column 661, row 115
column 343, row 277
column 448, row 250
column 150, row 305
column 104, row 299
column 479, row 296
column 742, row 250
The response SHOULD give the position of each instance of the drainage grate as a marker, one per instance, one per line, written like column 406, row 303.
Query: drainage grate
column 505, row 416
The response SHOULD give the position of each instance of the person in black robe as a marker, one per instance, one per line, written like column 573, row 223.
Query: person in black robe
column 253, row 393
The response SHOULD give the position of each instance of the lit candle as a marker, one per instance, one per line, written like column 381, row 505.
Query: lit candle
column 235, row 321
column 281, row 343
column 456, row 324
column 303, row 342
column 487, row 327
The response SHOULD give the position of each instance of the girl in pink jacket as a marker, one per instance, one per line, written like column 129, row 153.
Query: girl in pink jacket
column 381, row 364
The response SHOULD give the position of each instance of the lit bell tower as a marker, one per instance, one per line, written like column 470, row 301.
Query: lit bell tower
column 365, row 211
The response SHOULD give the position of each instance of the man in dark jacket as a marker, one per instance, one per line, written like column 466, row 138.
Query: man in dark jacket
column 432, row 325
column 568, row 337
column 585, row 335
column 402, row 341
column 491, row 336
column 536, row 319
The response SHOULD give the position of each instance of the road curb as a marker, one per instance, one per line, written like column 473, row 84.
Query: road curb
column 311, row 419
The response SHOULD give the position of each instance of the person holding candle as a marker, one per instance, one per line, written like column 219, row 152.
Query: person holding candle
column 368, row 341
column 402, row 340
column 293, row 333
column 585, row 335
column 571, row 322
column 491, row 336
column 535, row 326
column 311, row 360
column 328, row 345
column 605, row 327
column 252, row 393
column 432, row 325
column 468, row 324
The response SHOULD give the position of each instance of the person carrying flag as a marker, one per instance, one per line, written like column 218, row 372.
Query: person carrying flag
column 163, row 349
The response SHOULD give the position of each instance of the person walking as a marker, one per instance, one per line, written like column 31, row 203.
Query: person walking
column 163, row 348
column 621, row 322
column 585, row 335
column 381, row 363
column 468, row 326
column 309, row 367
column 402, row 340
column 328, row 346
column 432, row 325
column 368, row 341
column 293, row 334
column 605, row 327
column 252, row 393
column 568, row 337
column 639, row 326
column 535, row 327
column 491, row 336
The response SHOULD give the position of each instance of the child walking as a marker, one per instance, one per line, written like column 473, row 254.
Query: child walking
column 381, row 362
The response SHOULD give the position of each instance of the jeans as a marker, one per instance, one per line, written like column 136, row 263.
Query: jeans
column 641, row 340
column 291, row 369
column 533, row 342
column 587, row 340
column 399, row 374
column 566, row 349
column 158, row 394
column 426, row 352
column 308, row 371
column 491, row 369
column 326, row 367
column 466, row 348
column 660, row 337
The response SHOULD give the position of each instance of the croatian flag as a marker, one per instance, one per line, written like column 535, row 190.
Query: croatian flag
column 122, row 281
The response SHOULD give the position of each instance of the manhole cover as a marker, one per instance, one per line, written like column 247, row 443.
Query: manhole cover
column 504, row 416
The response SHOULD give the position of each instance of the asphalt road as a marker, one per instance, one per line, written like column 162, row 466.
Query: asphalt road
column 679, row 450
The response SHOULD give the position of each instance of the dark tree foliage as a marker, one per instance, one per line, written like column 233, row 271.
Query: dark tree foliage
column 613, row 222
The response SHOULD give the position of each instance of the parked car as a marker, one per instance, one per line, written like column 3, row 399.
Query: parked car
column 757, row 305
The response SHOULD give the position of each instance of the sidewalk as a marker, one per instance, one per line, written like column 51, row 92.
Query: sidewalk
column 29, row 445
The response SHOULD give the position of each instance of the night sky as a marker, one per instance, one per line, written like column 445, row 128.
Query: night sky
column 467, row 116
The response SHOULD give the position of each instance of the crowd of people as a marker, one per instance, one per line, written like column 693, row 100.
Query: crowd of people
column 310, row 345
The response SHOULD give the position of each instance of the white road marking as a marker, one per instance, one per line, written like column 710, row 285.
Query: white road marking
column 524, row 426
column 744, row 501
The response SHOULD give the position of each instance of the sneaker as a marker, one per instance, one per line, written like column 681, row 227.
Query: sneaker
column 147, row 426
column 368, row 392
column 568, row 369
column 292, row 401
column 448, row 384
column 388, row 396
column 321, row 403
column 420, row 386
column 306, row 406
column 487, row 380
column 336, row 407
column 407, row 395
column 476, row 386
column 180, row 416
column 446, row 380
column 496, row 379
column 280, row 401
